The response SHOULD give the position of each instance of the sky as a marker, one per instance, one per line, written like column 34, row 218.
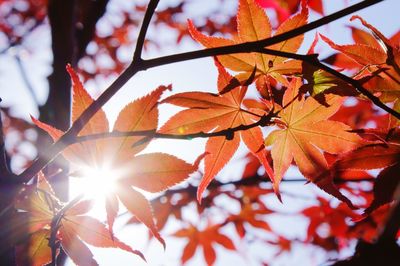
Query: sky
column 197, row 75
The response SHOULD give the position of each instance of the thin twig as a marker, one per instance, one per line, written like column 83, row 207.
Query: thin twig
column 25, row 79
column 137, row 56
column 55, row 225
column 313, row 60
column 264, row 120
column 19, row 40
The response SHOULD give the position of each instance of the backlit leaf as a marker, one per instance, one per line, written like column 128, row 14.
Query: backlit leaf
column 253, row 25
column 305, row 127
column 139, row 206
column 217, row 112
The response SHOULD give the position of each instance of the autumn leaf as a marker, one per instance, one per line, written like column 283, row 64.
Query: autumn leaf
column 249, row 214
column 209, row 112
column 205, row 239
column 153, row 172
column 152, row 177
column 253, row 25
column 35, row 250
column 91, row 231
column 77, row 154
column 378, row 61
column 304, row 130
column 375, row 156
column 283, row 243
column 324, row 213
column 75, row 228
column 385, row 187
column 372, row 156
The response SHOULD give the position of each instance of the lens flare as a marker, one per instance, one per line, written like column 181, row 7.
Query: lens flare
column 96, row 183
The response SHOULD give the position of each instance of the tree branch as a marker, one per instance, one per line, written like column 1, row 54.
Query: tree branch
column 137, row 56
column 254, row 46
column 149, row 134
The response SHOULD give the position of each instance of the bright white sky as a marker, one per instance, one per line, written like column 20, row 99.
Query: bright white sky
column 198, row 75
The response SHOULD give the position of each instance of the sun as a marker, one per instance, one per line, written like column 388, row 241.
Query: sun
column 96, row 183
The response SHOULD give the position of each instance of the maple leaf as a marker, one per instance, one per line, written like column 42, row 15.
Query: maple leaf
column 305, row 129
column 375, row 156
column 39, row 253
column 153, row 172
column 209, row 112
column 250, row 214
column 284, row 244
column 253, row 25
column 334, row 217
column 75, row 228
column 205, row 239
column 379, row 61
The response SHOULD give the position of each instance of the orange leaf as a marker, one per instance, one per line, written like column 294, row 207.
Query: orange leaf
column 54, row 133
column 224, row 241
column 379, row 61
column 112, row 208
column 236, row 62
column 43, row 184
column 220, row 150
column 139, row 206
column 74, row 153
column 91, row 152
column 156, row 172
column 368, row 157
column 361, row 53
column 253, row 25
column 141, row 114
column 209, row 253
column 317, row 6
column 94, row 233
column 81, row 207
column 293, row 44
column 189, row 250
column 305, row 129
column 82, row 100
column 39, row 252
column 79, row 253
column 363, row 37
column 217, row 112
